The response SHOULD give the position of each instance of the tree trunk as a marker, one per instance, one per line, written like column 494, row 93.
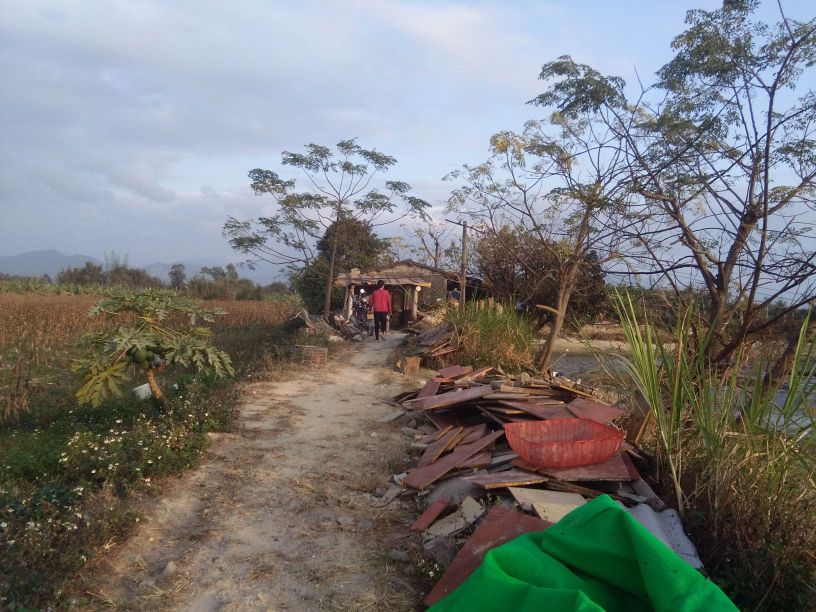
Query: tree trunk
column 545, row 354
column 781, row 368
column 330, row 280
column 155, row 390
column 565, row 290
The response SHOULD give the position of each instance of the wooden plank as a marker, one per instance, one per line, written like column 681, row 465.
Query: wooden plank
column 421, row 477
column 451, row 398
column 499, row 526
column 510, row 478
column 430, row 389
column 435, row 450
column 455, row 371
column 503, row 395
column 432, row 437
column 563, row 386
column 613, row 469
column 442, row 419
column 478, row 461
column 639, row 419
column 431, row 514
column 477, row 374
column 473, row 433
column 558, row 411
column 550, row 505
column 538, row 391
column 585, row 408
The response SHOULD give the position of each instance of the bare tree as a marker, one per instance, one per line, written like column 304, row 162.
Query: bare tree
column 722, row 155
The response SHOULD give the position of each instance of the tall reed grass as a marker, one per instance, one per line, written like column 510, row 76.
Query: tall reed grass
column 740, row 467
column 492, row 336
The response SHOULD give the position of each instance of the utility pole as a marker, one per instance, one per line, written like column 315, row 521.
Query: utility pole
column 463, row 266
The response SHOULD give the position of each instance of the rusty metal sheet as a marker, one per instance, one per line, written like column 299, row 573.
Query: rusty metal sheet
column 499, row 526
column 585, row 408
column 431, row 514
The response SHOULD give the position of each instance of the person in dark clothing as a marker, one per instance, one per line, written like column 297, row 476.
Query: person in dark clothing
column 381, row 303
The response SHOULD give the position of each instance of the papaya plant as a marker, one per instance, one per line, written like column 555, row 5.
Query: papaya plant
column 159, row 329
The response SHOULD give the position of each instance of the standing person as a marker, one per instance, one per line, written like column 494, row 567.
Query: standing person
column 381, row 303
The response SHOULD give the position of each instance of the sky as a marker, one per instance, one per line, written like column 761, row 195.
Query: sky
column 130, row 125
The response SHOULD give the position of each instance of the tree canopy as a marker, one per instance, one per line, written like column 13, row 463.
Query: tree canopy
column 340, row 185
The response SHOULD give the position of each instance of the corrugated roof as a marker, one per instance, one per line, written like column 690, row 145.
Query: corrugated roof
column 371, row 279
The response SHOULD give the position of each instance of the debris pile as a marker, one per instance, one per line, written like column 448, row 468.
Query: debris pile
column 315, row 324
column 465, row 456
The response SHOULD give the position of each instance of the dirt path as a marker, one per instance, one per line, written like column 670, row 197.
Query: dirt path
column 279, row 516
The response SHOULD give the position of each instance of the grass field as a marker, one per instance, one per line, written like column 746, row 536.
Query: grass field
column 67, row 473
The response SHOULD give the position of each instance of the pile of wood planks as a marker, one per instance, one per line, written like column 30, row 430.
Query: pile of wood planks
column 463, row 448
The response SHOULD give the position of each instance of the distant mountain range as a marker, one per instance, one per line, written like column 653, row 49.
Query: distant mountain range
column 51, row 262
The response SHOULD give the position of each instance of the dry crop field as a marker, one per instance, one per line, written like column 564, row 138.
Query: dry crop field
column 68, row 473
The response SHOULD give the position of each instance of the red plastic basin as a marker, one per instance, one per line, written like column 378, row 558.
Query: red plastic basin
column 563, row 443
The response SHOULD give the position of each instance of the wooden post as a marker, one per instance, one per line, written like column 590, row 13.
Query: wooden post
column 463, row 268
column 414, row 303
column 348, row 300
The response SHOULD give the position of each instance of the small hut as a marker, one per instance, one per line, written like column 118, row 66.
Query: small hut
column 411, row 284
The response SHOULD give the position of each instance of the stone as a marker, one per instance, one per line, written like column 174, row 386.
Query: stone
column 345, row 521
column 170, row 569
column 400, row 556
column 441, row 550
column 365, row 524
column 455, row 489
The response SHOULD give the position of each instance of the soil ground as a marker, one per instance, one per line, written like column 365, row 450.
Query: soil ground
column 279, row 516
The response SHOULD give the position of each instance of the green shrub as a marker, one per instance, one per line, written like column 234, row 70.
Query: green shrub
column 741, row 468
column 492, row 336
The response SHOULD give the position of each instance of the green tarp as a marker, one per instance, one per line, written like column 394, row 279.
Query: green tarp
column 596, row 558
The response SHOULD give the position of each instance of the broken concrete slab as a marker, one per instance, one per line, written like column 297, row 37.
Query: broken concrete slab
column 551, row 506
column 391, row 416
column 464, row 516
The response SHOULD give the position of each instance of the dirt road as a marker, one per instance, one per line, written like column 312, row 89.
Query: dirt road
column 279, row 516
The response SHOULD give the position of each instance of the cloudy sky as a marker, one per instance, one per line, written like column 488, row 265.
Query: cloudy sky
column 130, row 125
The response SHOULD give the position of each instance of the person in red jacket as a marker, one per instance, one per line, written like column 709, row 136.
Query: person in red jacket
column 381, row 303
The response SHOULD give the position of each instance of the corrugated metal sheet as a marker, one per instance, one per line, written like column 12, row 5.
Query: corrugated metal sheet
column 371, row 279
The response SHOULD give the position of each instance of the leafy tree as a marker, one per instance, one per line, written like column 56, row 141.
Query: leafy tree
column 355, row 246
column 89, row 274
column 722, row 156
column 340, row 188
column 177, row 276
column 218, row 283
column 557, row 186
column 167, row 330
column 497, row 259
